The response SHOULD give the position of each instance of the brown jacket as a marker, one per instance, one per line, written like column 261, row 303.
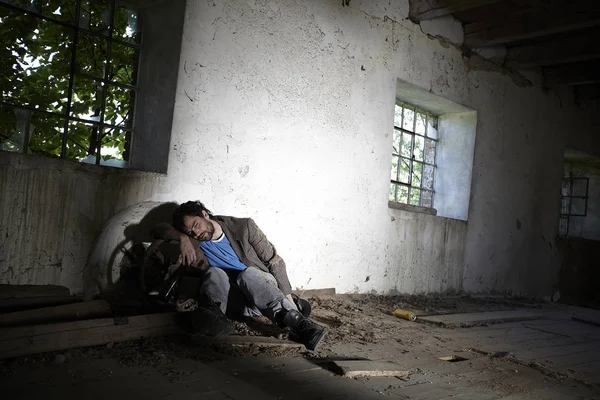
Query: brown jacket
column 254, row 249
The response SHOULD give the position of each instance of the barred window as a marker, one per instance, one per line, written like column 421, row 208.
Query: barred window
column 413, row 156
column 68, row 76
column 574, row 194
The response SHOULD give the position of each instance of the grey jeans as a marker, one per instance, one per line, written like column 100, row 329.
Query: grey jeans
column 249, row 293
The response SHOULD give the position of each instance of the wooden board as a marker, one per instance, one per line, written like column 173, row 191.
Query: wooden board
column 237, row 340
column 69, row 312
column 69, row 335
column 481, row 318
column 9, row 291
column 356, row 368
column 592, row 320
column 13, row 303
column 567, row 328
column 314, row 292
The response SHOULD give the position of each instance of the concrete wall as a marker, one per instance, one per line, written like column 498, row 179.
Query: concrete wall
column 286, row 116
column 52, row 213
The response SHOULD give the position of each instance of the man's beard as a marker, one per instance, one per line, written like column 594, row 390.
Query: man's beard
column 208, row 234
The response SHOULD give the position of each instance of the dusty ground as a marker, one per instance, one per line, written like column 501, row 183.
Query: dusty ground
column 369, row 319
column 359, row 326
column 363, row 319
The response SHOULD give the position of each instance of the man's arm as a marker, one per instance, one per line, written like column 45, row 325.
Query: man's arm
column 189, row 247
column 268, row 255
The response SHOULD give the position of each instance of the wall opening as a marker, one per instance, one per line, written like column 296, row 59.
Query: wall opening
column 455, row 146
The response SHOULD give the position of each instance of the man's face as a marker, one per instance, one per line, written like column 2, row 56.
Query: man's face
column 198, row 227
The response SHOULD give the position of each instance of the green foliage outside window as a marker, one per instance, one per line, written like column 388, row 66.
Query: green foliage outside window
column 68, row 74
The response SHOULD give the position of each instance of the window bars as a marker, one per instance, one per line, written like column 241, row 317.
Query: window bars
column 413, row 156
column 574, row 198
column 68, row 78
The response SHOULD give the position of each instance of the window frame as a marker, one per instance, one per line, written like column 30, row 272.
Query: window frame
column 100, row 125
column 566, row 195
column 397, row 183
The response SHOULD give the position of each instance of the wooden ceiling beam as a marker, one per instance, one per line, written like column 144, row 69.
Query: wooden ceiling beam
column 579, row 73
column 421, row 10
column 562, row 50
column 529, row 25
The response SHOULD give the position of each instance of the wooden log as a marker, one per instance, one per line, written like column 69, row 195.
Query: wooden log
column 19, row 341
column 69, row 312
column 20, row 303
column 8, row 291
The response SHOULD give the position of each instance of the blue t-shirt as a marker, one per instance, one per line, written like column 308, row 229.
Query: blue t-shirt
column 220, row 254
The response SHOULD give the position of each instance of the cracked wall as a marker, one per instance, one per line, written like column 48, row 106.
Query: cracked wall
column 300, row 95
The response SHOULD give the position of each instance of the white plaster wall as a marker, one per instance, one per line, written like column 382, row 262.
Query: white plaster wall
column 284, row 112
column 286, row 117
column 290, row 123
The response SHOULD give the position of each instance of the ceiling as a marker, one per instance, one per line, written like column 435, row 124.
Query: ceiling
column 559, row 37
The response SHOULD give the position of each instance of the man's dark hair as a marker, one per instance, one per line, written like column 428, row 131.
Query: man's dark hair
column 190, row 208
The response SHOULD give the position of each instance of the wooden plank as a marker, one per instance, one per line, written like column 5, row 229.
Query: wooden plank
column 567, row 48
column 489, row 317
column 236, row 340
column 69, row 312
column 567, row 328
column 356, row 368
column 36, row 330
column 510, row 343
column 580, row 73
column 427, row 9
column 113, row 330
column 529, row 25
column 556, row 350
column 9, row 291
column 524, row 349
column 13, row 303
column 567, row 360
column 492, row 332
column 592, row 320
column 315, row 292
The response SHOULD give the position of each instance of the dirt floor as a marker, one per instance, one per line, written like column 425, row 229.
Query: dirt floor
column 359, row 327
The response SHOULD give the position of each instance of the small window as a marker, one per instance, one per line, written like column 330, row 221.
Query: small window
column 574, row 198
column 68, row 79
column 413, row 156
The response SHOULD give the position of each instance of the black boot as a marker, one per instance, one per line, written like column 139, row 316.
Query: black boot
column 206, row 320
column 302, row 305
column 309, row 333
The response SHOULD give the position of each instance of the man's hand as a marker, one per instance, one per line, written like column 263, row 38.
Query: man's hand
column 188, row 252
